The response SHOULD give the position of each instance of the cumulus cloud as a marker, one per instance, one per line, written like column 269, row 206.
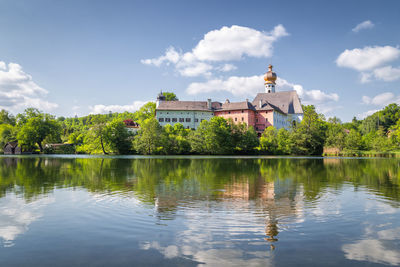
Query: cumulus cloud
column 314, row 97
column 367, row 58
column 101, row 109
column 232, row 43
column 227, row 67
column 171, row 56
column 381, row 99
column 363, row 26
column 366, row 113
column 387, row 73
column 19, row 91
column 250, row 86
column 225, row 44
column 238, row 86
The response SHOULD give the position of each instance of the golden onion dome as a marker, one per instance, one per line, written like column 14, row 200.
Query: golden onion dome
column 270, row 76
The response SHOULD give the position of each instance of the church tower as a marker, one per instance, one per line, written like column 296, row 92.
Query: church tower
column 270, row 78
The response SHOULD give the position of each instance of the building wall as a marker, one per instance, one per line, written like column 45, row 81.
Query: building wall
column 191, row 118
column 263, row 119
column 237, row 116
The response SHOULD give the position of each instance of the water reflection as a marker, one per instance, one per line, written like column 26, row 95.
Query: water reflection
column 16, row 215
column 231, row 211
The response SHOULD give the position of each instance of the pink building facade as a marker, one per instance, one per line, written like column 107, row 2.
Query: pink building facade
column 278, row 109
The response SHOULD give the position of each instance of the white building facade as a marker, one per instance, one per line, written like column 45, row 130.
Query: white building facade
column 188, row 113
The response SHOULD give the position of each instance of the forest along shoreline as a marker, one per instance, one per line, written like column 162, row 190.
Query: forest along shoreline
column 33, row 131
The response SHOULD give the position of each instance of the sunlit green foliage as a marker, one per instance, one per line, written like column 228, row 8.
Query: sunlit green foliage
column 107, row 134
column 34, row 127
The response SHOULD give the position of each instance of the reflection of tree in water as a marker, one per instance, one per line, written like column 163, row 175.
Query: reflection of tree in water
column 269, row 186
column 174, row 182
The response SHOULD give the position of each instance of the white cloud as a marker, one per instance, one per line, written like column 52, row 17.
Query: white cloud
column 19, row 91
column 387, row 73
column 171, row 56
column 366, row 114
column 313, row 97
column 232, row 43
column 363, row 25
column 238, row 86
column 227, row 67
column 381, row 99
column 367, row 58
column 101, row 109
column 225, row 44
column 197, row 69
column 250, row 86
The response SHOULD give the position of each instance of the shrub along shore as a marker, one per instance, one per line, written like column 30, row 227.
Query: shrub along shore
column 376, row 135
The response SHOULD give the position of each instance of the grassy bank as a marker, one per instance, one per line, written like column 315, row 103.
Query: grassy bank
column 364, row 153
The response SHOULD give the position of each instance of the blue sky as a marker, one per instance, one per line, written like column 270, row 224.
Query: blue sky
column 78, row 57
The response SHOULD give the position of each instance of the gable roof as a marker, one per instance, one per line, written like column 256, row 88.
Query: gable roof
column 13, row 144
column 187, row 105
column 237, row 105
column 287, row 102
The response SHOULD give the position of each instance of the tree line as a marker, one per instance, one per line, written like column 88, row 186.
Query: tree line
column 107, row 134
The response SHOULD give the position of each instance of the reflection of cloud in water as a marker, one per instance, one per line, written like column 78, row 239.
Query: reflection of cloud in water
column 380, row 207
column 371, row 250
column 220, row 239
column 375, row 250
column 16, row 215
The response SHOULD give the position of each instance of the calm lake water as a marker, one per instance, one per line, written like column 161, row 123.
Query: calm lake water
column 189, row 211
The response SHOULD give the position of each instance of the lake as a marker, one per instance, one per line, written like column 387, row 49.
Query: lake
column 190, row 211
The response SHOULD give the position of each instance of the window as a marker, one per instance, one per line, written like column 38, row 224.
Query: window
column 167, row 119
column 187, row 119
column 242, row 111
column 174, row 119
column 256, row 120
column 229, row 112
column 167, row 113
column 266, row 119
column 181, row 119
column 242, row 119
column 196, row 120
column 235, row 119
column 161, row 119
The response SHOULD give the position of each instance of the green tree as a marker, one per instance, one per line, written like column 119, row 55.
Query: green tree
column 335, row 134
column 284, row 142
column 169, row 96
column 177, row 141
column 6, row 117
column 269, row 140
column 212, row 137
column 244, row 137
column 35, row 127
column 147, row 111
column 117, row 136
column 7, row 134
column 308, row 137
column 353, row 140
column 149, row 138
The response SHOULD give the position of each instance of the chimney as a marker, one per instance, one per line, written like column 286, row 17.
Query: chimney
column 260, row 103
column 209, row 103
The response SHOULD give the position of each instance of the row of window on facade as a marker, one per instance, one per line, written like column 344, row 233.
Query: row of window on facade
column 180, row 120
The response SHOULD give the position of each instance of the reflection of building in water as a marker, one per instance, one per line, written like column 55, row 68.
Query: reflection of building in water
column 276, row 199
